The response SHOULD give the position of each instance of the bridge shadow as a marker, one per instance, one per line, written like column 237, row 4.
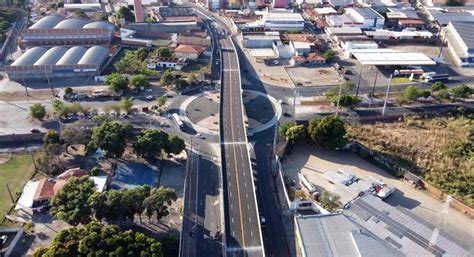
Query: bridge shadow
column 275, row 239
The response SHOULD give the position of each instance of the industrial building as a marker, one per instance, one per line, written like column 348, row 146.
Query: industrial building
column 283, row 21
column 331, row 235
column 57, row 62
column 56, row 30
column 405, row 232
column 361, row 17
column 459, row 37
column 259, row 40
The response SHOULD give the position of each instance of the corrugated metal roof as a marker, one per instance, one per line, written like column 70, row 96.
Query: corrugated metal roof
column 51, row 56
column 407, row 234
column 466, row 31
column 71, row 24
column 72, row 56
column 100, row 25
column 335, row 235
column 366, row 12
column 30, row 56
column 47, row 22
column 94, row 55
column 443, row 17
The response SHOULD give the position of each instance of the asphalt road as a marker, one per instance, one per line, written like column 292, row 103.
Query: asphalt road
column 201, row 231
column 242, row 226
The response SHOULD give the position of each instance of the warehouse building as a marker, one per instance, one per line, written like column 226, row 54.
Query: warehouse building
column 459, row 37
column 361, row 17
column 55, row 30
column 58, row 62
column 283, row 21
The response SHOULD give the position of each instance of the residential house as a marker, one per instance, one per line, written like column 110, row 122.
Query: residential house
column 311, row 59
column 167, row 63
column 191, row 52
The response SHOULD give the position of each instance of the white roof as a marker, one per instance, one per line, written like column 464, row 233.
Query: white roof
column 302, row 45
column 283, row 16
column 325, row 10
column 344, row 30
column 26, row 198
column 390, row 57
column 100, row 182
column 262, row 52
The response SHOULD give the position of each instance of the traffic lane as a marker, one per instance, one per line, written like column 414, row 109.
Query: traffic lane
column 274, row 233
column 188, row 242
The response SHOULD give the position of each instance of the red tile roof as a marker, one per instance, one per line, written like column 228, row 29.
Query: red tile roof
column 189, row 49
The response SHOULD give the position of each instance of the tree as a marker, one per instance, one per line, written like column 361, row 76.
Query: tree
column 170, row 245
column 126, row 104
column 181, row 84
column 174, row 145
column 95, row 171
column 150, row 143
column 328, row 132
column 51, row 137
column 345, row 100
column 462, row 91
column 159, row 201
column 328, row 55
column 346, row 89
column 68, row 90
column 70, row 204
column 58, row 106
column 437, row 86
column 162, row 100
column 167, row 78
column 291, row 131
column 95, row 239
column 116, row 82
column 163, row 52
column 330, row 201
column 37, row 111
column 454, row 2
column 139, row 80
column 125, row 13
column 81, row 14
column 75, row 135
column 111, row 137
column 411, row 93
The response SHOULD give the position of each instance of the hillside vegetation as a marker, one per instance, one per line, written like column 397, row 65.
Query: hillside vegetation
column 441, row 150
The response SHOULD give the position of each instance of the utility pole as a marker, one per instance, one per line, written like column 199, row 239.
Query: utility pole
column 386, row 96
column 373, row 88
column 10, row 192
column 358, row 82
column 338, row 99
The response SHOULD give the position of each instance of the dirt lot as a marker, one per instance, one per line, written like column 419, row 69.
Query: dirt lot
column 314, row 76
column 312, row 162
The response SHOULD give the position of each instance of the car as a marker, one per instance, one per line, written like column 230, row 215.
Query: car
column 35, row 130
column 149, row 97
column 3, row 240
column 287, row 115
column 263, row 221
column 149, row 90
column 200, row 136
column 275, row 62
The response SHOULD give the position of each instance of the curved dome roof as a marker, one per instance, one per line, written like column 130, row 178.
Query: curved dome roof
column 72, row 56
column 30, row 56
column 72, row 23
column 94, row 55
column 100, row 25
column 47, row 22
column 51, row 56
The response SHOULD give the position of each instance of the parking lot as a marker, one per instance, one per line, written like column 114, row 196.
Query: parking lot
column 313, row 162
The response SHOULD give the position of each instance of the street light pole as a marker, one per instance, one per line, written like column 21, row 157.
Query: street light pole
column 358, row 82
column 386, row 96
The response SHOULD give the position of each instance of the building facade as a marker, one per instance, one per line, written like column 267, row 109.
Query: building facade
column 459, row 37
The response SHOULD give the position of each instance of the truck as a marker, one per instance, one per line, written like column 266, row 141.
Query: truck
column 436, row 77
column 380, row 189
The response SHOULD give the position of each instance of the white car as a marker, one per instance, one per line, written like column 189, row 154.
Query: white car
column 149, row 97
column 199, row 136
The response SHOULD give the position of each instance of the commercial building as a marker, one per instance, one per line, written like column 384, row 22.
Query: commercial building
column 158, row 28
column 332, row 235
column 459, row 37
column 390, row 57
column 442, row 16
column 402, row 19
column 283, row 21
column 405, row 35
column 58, row 62
column 55, row 30
column 260, row 40
column 361, row 17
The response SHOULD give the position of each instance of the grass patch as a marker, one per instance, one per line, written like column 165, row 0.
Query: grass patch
column 440, row 149
column 15, row 172
column 400, row 80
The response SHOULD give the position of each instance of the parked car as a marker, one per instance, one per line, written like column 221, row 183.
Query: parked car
column 35, row 130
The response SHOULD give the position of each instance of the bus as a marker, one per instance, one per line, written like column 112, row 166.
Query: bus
column 177, row 120
column 437, row 77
